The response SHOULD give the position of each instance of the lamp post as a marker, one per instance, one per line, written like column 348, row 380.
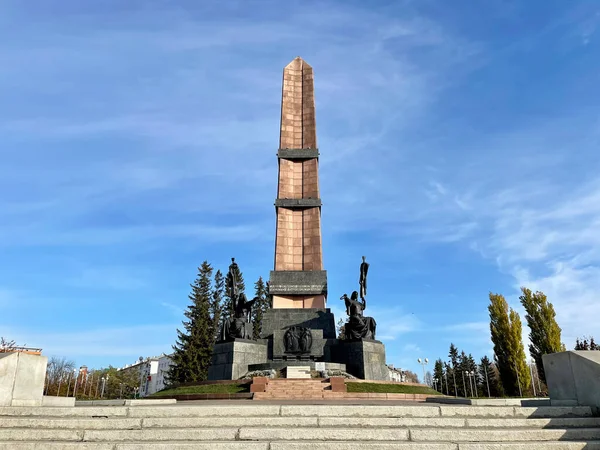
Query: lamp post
column 60, row 377
column 423, row 363
column 76, row 374
column 69, row 385
column 487, row 382
column 474, row 386
column 104, row 381
column 532, row 379
column 97, row 386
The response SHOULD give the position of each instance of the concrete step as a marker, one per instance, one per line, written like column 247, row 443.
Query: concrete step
column 325, row 410
column 275, row 421
column 307, row 445
column 269, row 434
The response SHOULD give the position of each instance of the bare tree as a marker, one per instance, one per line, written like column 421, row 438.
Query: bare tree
column 6, row 345
column 58, row 373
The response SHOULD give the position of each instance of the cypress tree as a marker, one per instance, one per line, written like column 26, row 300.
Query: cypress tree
column 193, row 349
column 545, row 332
column 509, row 353
column 260, row 307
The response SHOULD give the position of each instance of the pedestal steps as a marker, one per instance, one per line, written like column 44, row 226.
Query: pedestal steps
column 299, row 427
column 296, row 389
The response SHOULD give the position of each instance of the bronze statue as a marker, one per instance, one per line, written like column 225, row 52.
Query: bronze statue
column 364, row 269
column 358, row 325
column 240, row 324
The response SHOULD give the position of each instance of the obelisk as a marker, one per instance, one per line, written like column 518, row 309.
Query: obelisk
column 298, row 279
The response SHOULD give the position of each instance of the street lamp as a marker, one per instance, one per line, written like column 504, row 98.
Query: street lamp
column 423, row 362
column 104, row 381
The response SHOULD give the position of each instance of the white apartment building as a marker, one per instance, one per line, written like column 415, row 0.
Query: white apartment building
column 152, row 372
column 396, row 374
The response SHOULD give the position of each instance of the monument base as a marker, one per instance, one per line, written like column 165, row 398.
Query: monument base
column 22, row 379
column 230, row 360
column 364, row 359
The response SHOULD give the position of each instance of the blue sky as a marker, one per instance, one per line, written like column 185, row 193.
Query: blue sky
column 459, row 153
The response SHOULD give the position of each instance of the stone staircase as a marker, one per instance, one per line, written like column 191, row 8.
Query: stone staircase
column 294, row 389
column 255, row 426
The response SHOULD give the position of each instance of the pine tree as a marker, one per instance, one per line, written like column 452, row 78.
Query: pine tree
column 216, row 304
column 341, row 327
column 462, row 368
column 509, row 353
column 438, row 374
column 260, row 306
column 193, row 349
column 453, row 374
column 545, row 332
column 490, row 383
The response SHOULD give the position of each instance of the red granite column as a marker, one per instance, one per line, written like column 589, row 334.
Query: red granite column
column 298, row 280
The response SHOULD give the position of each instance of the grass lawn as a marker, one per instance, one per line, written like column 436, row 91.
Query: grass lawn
column 390, row 388
column 206, row 389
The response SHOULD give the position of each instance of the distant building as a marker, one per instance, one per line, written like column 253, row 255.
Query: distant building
column 396, row 374
column 152, row 372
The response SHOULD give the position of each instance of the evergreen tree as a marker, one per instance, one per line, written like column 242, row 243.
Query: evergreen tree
column 509, row 353
column 473, row 370
column 260, row 306
column 216, row 304
column 545, row 332
column 453, row 355
column 193, row 349
column 490, row 383
column 341, row 327
column 438, row 374
column 462, row 367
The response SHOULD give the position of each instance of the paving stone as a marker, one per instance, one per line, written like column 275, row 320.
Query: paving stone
column 369, row 445
column 554, row 411
column 164, row 434
column 324, row 434
column 85, row 411
column 45, row 445
column 483, row 435
column 197, row 422
column 359, row 411
column 193, row 445
column 71, row 424
column 477, row 411
column 562, row 445
column 392, row 422
column 206, row 411
column 569, row 422
column 27, row 434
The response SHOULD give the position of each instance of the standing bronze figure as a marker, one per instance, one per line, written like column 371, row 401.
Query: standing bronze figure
column 240, row 324
column 364, row 270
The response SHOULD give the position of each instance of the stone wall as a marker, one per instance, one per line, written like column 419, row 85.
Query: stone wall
column 364, row 359
column 22, row 379
column 573, row 378
column 230, row 360
column 313, row 318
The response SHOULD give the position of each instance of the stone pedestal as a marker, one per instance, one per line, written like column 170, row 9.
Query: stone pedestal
column 22, row 379
column 573, row 378
column 364, row 359
column 230, row 360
